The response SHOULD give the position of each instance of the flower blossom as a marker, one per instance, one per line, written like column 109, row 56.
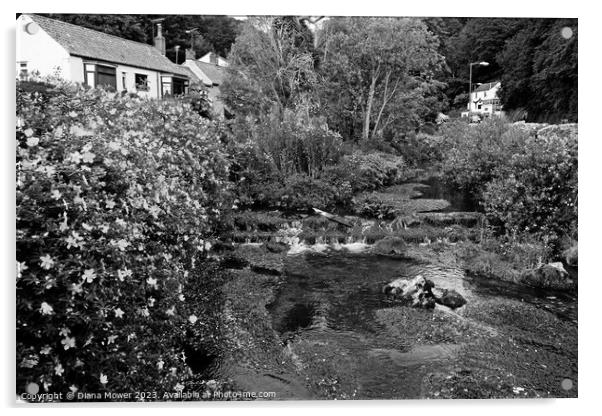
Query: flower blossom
column 118, row 313
column 68, row 342
column 89, row 275
column 46, row 309
column 46, row 262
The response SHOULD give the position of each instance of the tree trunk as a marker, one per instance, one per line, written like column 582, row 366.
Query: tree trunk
column 366, row 133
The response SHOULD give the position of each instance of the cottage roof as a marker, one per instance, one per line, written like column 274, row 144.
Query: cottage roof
column 486, row 86
column 214, row 72
column 91, row 44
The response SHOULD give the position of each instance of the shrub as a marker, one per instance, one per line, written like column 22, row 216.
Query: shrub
column 535, row 190
column 471, row 153
column 524, row 178
column 367, row 171
column 291, row 143
column 115, row 196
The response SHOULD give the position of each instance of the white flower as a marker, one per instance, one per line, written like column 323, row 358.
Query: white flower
column 72, row 114
column 75, row 157
column 46, row 262
column 68, row 342
column 121, row 244
column 89, row 275
column 104, row 228
column 74, row 240
column 88, row 157
column 73, row 388
column 28, row 132
column 46, row 350
column 179, row 387
column 32, row 141
column 111, row 339
column 152, row 282
column 46, row 309
column 151, row 302
column 144, row 312
column 21, row 267
column 56, row 194
column 122, row 274
column 76, row 288
column 181, row 297
column 192, row 319
column 118, row 313
column 160, row 364
column 171, row 311
column 103, row 379
column 58, row 369
column 110, row 204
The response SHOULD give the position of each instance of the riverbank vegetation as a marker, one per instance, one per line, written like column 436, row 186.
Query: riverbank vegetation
column 119, row 199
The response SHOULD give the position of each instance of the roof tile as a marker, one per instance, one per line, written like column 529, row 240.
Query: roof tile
column 88, row 43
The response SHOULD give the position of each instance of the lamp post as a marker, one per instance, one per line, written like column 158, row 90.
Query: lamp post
column 177, row 48
column 482, row 63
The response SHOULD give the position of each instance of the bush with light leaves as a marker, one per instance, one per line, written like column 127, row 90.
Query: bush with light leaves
column 115, row 198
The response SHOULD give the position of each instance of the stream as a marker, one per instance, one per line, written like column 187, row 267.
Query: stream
column 346, row 340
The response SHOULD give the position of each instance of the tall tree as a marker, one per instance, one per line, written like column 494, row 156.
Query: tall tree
column 378, row 73
column 539, row 66
column 271, row 65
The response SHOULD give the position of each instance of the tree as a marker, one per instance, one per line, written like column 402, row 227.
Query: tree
column 378, row 73
column 271, row 67
column 540, row 70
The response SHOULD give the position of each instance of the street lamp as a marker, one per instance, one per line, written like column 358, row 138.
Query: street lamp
column 482, row 63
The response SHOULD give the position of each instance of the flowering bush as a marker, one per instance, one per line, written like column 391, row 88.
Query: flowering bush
column 115, row 198
column 535, row 190
column 526, row 180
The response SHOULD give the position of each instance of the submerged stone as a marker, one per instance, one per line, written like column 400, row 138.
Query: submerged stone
column 451, row 299
column 390, row 245
column 548, row 276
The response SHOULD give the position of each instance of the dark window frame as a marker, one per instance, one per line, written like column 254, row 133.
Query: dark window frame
column 141, row 85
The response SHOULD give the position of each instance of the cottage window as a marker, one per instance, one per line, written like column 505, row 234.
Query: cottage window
column 23, row 70
column 123, row 81
column 106, row 76
column 141, row 82
column 96, row 75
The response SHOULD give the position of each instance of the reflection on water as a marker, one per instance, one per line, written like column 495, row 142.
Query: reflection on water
column 332, row 310
column 435, row 188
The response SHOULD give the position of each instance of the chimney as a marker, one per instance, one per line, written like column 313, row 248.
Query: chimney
column 160, row 40
column 213, row 58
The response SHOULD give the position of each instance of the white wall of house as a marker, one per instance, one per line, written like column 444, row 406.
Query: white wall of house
column 130, row 72
column 207, row 58
column 40, row 51
column 491, row 94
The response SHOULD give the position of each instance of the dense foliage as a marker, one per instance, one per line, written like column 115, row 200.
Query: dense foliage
column 379, row 75
column 116, row 197
column 535, row 59
column 526, row 180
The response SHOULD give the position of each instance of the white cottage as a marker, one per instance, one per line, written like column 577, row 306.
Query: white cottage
column 78, row 54
column 211, row 74
column 484, row 100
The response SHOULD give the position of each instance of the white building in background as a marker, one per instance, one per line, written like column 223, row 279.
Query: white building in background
column 484, row 100
column 213, row 58
column 78, row 54
column 210, row 70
